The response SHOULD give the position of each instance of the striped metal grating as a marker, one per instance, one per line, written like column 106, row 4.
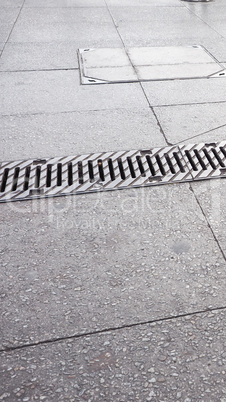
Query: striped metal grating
column 52, row 177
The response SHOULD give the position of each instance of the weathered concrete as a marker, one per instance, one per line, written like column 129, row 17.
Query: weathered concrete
column 143, row 270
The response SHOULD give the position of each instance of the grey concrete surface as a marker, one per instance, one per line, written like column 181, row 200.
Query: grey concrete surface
column 104, row 33
column 109, row 261
column 182, row 359
column 41, row 16
column 141, row 3
column 193, row 123
column 162, row 25
column 64, row 4
column 179, row 92
column 8, row 16
column 60, row 91
column 39, row 56
column 77, row 133
column 11, row 3
column 80, row 270
column 213, row 206
column 65, row 24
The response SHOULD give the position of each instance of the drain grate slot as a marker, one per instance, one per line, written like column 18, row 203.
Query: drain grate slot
column 4, row 180
column 36, row 191
column 15, row 178
column 168, row 160
column 91, row 173
column 161, row 167
column 111, row 170
column 196, row 152
column 26, row 178
column 59, row 174
column 131, row 167
column 48, row 175
column 223, row 151
column 80, row 172
column 177, row 159
column 193, row 165
column 70, row 174
column 210, row 160
column 140, row 165
column 101, row 170
column 150, row 164
column 217, row 156
column 37, row 176
column 121, row 169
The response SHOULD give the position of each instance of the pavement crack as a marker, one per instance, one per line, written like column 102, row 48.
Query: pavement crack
column 155, row 115
column 198, row 135
column 188, row 104
column 208, row 223
column 1, row 52
column 110, row 329
column 206, row 23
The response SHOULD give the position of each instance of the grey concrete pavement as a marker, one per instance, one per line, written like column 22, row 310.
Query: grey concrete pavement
column 60, row 91
column 82, row 131
column 116, row 296
column 208, row 122
column 180, row 359
column 38, row 56
column 89, row 270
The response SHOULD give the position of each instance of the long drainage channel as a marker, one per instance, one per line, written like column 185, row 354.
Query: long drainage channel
column 81, row 174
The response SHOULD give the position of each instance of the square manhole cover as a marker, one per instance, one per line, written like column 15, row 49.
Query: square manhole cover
column 115, row 65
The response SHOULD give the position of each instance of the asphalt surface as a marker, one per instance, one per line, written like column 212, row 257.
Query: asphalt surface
column 116, row 296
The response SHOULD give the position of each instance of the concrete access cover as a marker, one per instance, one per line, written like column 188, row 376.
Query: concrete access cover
column 115, row 65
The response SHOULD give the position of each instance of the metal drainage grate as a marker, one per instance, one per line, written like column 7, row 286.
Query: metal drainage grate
column 110, row 171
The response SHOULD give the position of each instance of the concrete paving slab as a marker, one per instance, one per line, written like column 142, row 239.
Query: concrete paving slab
column 156, row 32
column 163, row 26
column 212, row 14
column 208, row 10
column 79, row 264
column 39, row 15
column 64, row 4
column 181, row 359
column 8, row 17
column 49, row 135
column 39, row 56
column 219, row 26
column 85, row 34
column 10, row 3
column 213, row 206
column 182, row 123
column 123, row 14
column 144, row 3
column 4, row 32
column 64, row 24
column 185, row 91
column 57, row 91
